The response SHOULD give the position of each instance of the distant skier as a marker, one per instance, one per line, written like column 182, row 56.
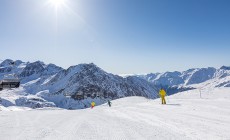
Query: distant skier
column 93, row 105
column 109, row 103
column 162, row 94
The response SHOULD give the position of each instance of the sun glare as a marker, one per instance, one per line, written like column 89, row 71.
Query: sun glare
column 57, row 3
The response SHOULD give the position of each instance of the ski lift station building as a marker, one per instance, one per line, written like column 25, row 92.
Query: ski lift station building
column 9, row 82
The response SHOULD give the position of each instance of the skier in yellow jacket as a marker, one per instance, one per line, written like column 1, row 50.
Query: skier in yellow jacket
column 162, row 94
column 93, row 104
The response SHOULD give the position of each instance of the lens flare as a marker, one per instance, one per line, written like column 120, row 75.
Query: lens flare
column 57, row 3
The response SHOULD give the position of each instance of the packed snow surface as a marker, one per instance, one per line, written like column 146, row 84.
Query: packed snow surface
column 185, row 116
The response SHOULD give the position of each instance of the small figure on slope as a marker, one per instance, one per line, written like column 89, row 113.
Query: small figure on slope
column 162, row 94
column 92, row 105
column 109, row 103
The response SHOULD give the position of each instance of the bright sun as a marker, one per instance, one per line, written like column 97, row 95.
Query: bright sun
column 57, row 3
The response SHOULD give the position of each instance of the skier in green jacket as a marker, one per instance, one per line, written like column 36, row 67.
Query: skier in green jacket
column 109, row 103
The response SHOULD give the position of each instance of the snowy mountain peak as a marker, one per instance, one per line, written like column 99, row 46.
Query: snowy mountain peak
column 92, row 68
column 51, row 69
column 9, row 62
column 32, row 68
column 225, row 68
column 84, row 69
column 6, row 62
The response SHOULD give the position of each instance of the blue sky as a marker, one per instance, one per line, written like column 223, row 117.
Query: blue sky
column 120, row 36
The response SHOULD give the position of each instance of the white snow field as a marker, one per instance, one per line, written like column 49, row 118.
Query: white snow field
column 186, row 116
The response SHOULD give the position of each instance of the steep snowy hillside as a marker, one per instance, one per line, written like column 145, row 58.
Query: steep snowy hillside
column 186, row 116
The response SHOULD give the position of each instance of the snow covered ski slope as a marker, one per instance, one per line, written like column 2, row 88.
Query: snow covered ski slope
column 185, row 117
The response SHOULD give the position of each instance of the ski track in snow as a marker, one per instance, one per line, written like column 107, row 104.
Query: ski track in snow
column 131, row 118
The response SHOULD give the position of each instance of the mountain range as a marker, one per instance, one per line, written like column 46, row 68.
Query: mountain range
column 190, row 77
column 74, row 87
column 48, row 85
